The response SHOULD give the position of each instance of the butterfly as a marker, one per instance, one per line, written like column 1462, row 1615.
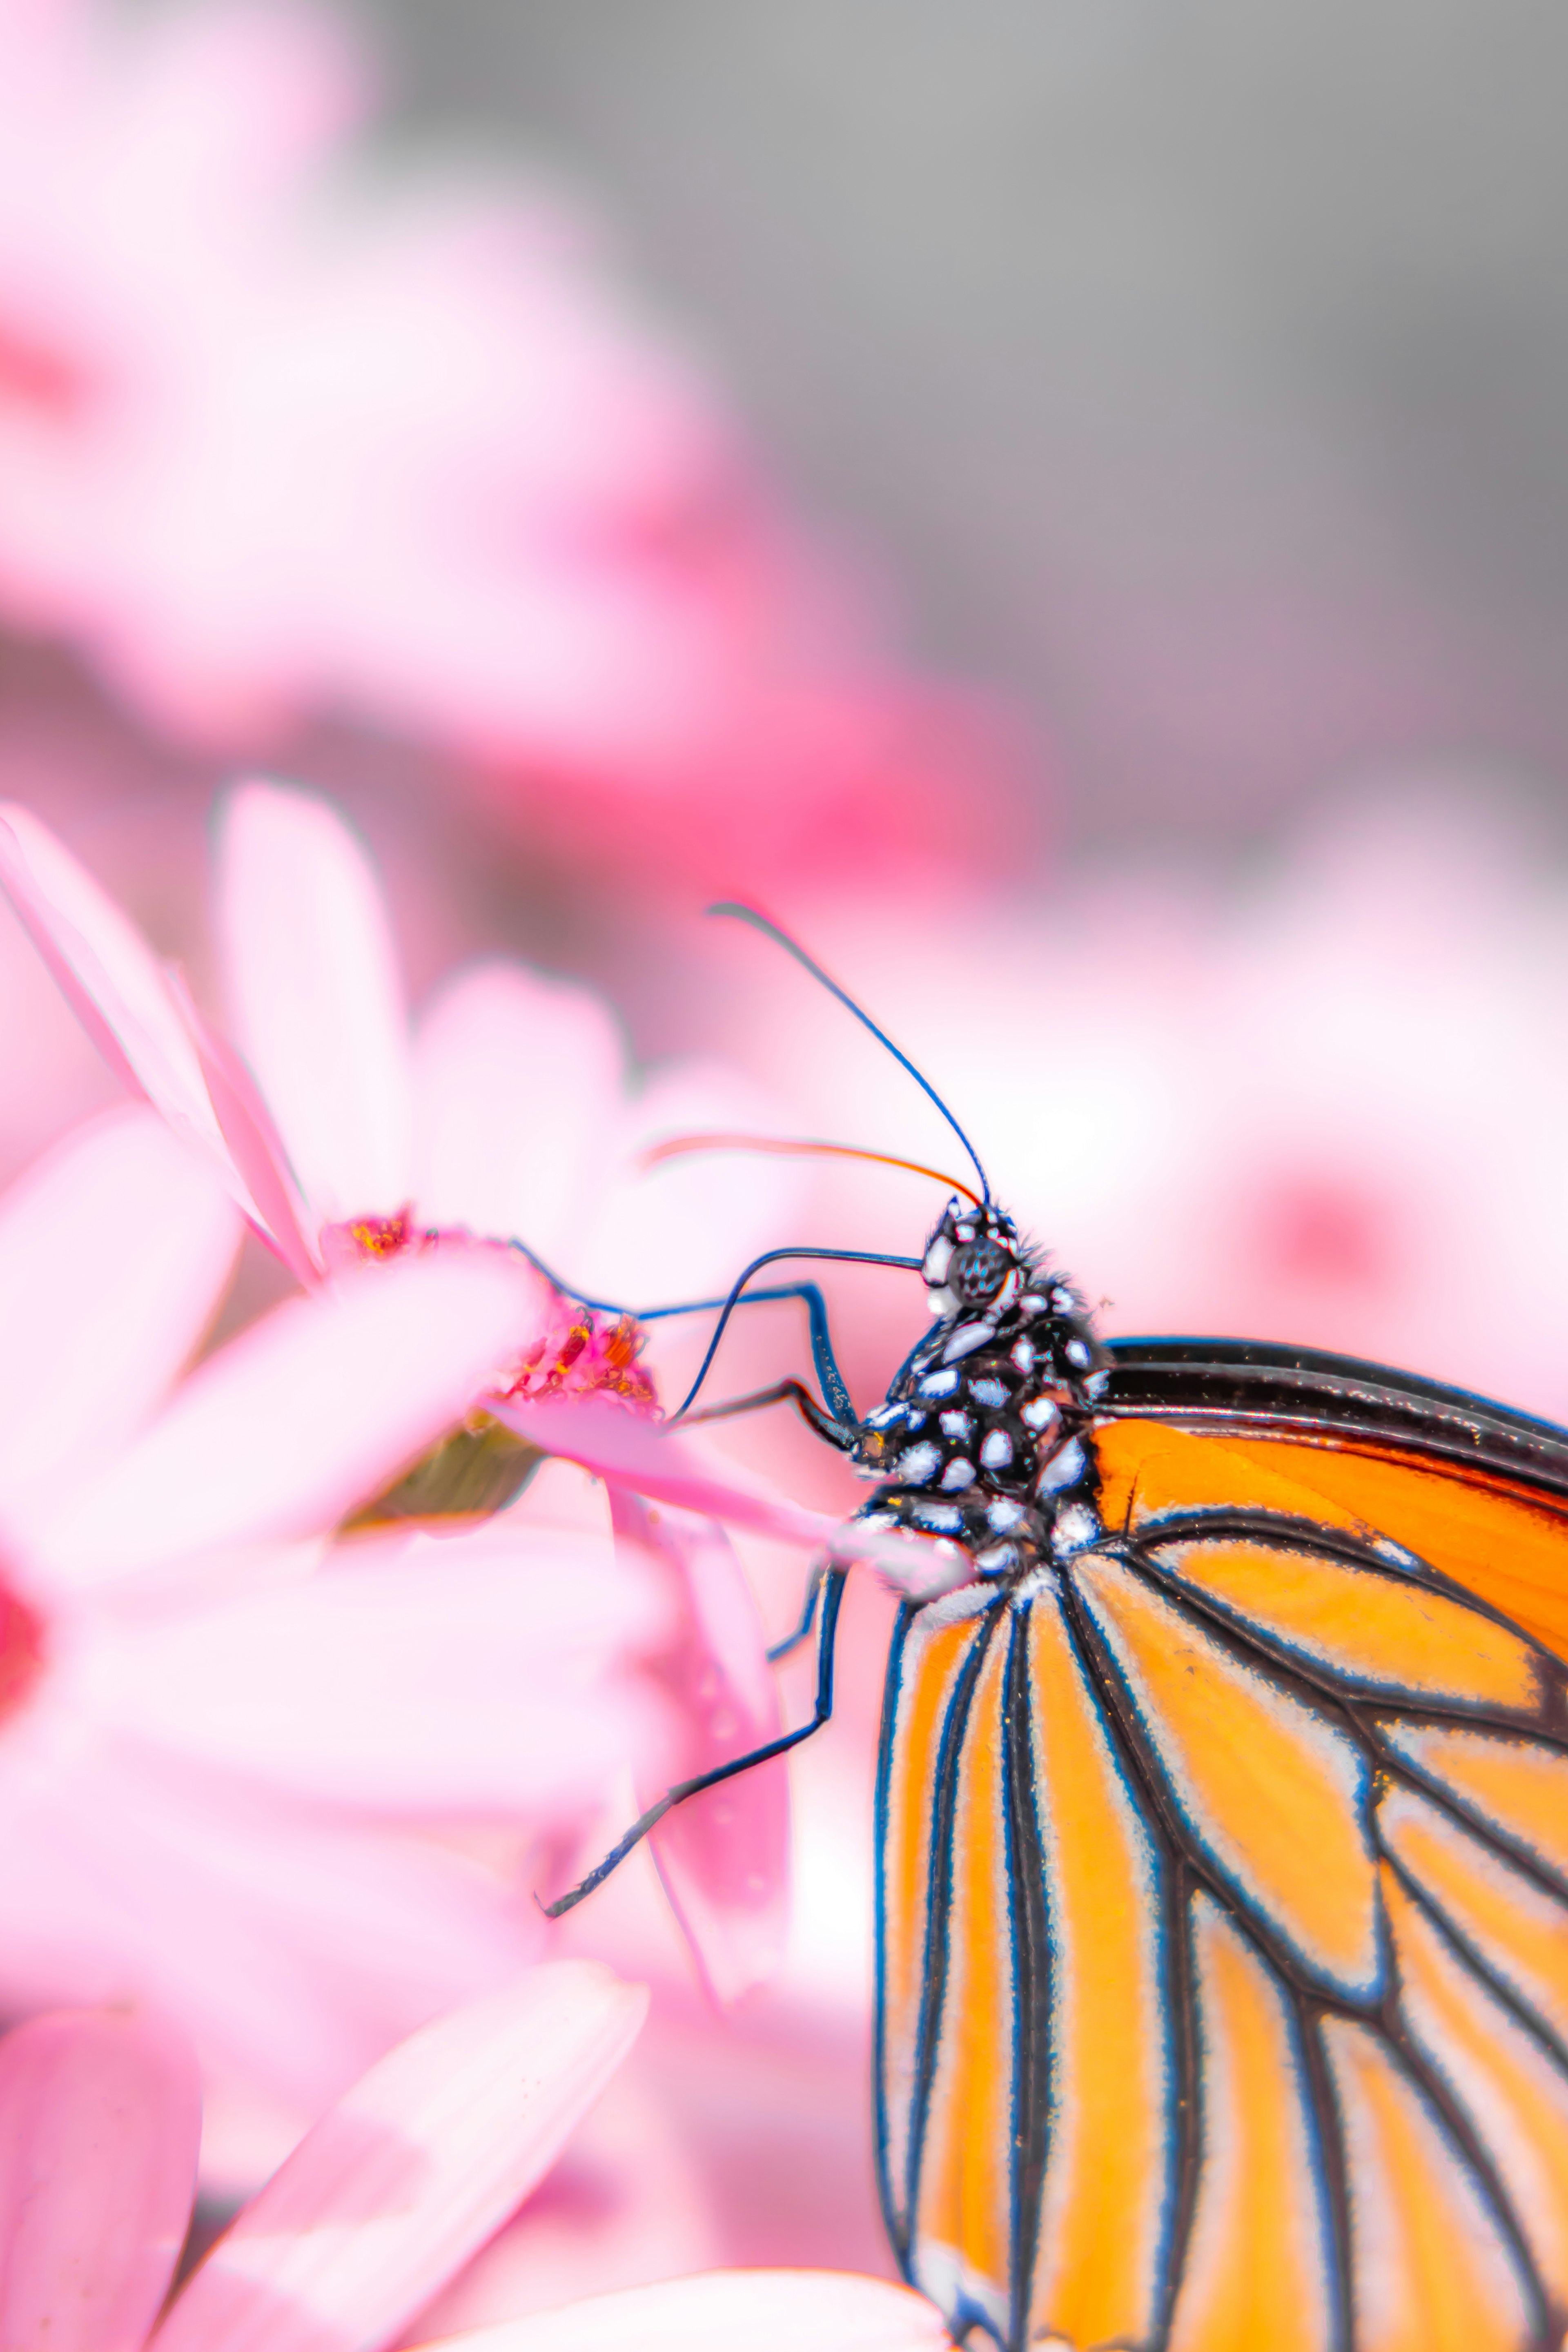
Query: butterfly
column 1222, row 1826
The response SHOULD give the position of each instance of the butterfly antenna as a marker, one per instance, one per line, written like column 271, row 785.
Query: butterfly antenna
column 770, row 930
column 791, row 1146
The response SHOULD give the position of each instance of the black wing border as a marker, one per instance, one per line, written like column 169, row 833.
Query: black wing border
column 1279, row 1391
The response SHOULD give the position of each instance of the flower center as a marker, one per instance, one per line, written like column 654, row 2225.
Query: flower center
column 379, row 1237
column 481, row 1466
column 588, row 1358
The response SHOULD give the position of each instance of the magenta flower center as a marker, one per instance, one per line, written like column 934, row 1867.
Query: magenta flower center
column 580, row 1353
column 382, row 1237
column 588, row 1356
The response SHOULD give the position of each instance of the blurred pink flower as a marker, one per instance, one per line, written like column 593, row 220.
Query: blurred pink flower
column 506, row 1114
column 220, row 1772
column 282, row 433
column 380, row 2205
column 344, row 1136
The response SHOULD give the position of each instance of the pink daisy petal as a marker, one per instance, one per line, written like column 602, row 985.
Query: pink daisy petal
column 394, row 2190
column 723, row 1856
column 116, row 985
column 518, row 1081
column 729, row 2311
column 628, row 1450
column 295, row 1948
column 114, row 1251
column 256, row 1146
column 316, row 998
column 311, row 1410
column 628, row 2202
column 468, row 1677
column 100, row 2125
column 622, row 1447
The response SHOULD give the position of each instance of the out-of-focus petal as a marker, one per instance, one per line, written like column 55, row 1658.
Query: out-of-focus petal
column 114, row 1251
column 467, row 1677
column 100, row 2125
column 317, row 1004
column 723, row 1856
column 295, row 1947
column 306, row 1414
column 627, row 1450
column 518, row 1101
column 684, row 1228
column 114, row 981
column 729, row 2311
column 408, row 2177
column 628, row 2202
column 257, row 1148
column 621, row 1445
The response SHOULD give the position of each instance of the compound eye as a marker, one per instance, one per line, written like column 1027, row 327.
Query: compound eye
column 978, row 1270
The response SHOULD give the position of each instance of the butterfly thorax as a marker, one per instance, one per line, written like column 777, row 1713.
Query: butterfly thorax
column 982, row 1438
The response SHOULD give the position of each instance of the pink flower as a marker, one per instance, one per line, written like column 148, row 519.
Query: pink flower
column 221, row 1774
column 347, row 1141
column 343, row 1134
column 505, row 1114
column 283, row 433
column 379, row 2206
column 273, row 435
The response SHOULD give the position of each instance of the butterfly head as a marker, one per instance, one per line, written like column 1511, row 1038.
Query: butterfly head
column 974, row 1262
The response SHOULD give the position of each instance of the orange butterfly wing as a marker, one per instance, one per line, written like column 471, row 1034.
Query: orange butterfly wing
column 1224, row 1905
column 1503, row 1541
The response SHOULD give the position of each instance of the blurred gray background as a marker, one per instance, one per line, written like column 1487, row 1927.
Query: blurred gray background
column 1195, row 369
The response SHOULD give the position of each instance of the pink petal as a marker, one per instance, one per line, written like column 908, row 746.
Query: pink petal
column 628, row 2202
column 100, row 2125
column 256, row 1146
column 628, row 1450
column 460, row 1677
column 114, row 1251
column 311, row 1410
column 110, row 976
column 394, row 2190
column 316, row 999
column 294, row 1948
column 622, row 1446
column 519, row 1086
column 723, row 1856
column 729, row 2311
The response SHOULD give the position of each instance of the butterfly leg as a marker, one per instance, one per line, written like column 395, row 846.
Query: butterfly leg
column 834, row 1432
column 832, row 1592
column 834, row 1388
column 791, row 1642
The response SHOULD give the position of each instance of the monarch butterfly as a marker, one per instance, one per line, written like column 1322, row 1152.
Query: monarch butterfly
column 1222, row 1890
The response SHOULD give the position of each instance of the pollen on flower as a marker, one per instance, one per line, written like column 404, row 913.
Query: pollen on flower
column 381, row 1237
column 373, row 1240
column 583, row 1355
